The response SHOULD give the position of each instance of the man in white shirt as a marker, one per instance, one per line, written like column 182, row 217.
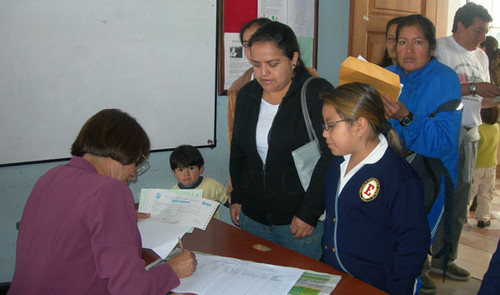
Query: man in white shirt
column 461, row 53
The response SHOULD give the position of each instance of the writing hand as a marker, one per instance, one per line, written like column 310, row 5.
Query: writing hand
column 183, row 264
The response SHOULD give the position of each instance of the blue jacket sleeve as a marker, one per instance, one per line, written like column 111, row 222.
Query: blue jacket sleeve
column 432, row 137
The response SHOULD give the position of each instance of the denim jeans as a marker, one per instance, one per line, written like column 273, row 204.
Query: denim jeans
column 280, row 234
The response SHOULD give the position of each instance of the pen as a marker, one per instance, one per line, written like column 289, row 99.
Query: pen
column 180, row 244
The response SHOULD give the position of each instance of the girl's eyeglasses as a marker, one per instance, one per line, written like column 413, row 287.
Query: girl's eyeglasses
column 330, row 126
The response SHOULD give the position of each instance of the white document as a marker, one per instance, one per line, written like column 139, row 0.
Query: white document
column 276, row 10
column 228, row 276
column 172, row 208
column 300, row 14
column 159, row 236
column 235, row 61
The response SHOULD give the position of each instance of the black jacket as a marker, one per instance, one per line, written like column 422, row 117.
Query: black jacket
column 272, row 193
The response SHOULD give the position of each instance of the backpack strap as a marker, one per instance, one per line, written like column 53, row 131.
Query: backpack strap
column 450, row 105
column 449, row 191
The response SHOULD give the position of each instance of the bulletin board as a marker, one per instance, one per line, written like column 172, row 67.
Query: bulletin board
column 300, row 15
column 62, row 61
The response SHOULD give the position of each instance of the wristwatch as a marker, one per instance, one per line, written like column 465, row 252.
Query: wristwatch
column 406, row 120
column 472, row 89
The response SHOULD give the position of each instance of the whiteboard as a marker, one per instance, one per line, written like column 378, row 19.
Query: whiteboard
column 61, row 61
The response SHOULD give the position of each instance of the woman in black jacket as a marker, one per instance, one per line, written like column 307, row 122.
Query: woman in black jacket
column 268, row 199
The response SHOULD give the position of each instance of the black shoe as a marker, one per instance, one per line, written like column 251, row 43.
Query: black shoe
column 483, row 224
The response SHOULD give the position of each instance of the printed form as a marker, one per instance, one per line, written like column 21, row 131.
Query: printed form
column 228, row 276
column 171, row 207
column 173, row 213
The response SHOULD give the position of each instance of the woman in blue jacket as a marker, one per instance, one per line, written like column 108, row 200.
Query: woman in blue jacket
column 427, row 85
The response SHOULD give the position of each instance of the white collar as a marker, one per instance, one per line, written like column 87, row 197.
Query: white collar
column 375, row 155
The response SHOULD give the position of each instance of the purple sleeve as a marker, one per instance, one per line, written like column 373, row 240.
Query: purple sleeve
column 116, row 245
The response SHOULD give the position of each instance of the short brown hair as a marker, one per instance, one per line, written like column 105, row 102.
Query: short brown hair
column 489, row 115
column 112, row 133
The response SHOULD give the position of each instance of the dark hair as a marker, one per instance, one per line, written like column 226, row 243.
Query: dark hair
column 281, row 36
column 495, row 67
column 184, row 156
column 115, row 134
column 260, row 21
column 354, row 100
column 424, row 24
column 490, row 45
column 489, row 115
column 394, row 21
column 467, row 13
column 386, row 60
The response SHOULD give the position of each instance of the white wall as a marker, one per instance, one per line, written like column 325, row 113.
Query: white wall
column 63, row 61
column 16, row 182
column 453, row 6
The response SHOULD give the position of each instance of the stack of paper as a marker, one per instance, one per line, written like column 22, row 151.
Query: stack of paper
column 172, row 215
column 222, row 275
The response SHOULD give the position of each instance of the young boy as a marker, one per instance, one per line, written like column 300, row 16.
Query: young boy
column 187, row 165
column 483, row 186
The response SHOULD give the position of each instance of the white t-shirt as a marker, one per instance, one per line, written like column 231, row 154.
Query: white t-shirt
column 266, row 116
column 471, row 67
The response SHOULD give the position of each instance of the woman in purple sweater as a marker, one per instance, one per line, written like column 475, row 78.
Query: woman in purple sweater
column 78, row 233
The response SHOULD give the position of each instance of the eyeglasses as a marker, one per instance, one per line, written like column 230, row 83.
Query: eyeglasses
column 143, row 166
column 330, row 126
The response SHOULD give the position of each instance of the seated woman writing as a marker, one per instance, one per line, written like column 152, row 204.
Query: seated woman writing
column 78, row 233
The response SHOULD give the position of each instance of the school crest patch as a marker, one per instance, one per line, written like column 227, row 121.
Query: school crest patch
column 369, row 190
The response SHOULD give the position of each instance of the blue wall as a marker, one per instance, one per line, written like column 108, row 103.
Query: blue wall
column 16, row 182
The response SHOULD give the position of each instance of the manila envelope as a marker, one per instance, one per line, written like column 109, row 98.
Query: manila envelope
column 356, row 70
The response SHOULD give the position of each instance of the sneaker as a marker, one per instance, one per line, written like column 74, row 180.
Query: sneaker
column 428, row 286
column 454, row 272
column 483, row 224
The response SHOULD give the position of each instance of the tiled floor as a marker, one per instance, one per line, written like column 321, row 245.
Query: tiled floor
column 474, row 252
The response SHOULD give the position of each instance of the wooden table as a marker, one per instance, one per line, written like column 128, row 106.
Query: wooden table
column 225, row 240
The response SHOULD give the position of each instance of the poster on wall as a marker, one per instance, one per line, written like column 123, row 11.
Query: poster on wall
column 300, row 15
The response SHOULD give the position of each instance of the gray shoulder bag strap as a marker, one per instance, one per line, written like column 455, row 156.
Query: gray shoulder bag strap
column 305, row 112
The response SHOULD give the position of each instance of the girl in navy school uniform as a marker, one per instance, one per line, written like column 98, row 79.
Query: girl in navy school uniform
column 376, row 226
